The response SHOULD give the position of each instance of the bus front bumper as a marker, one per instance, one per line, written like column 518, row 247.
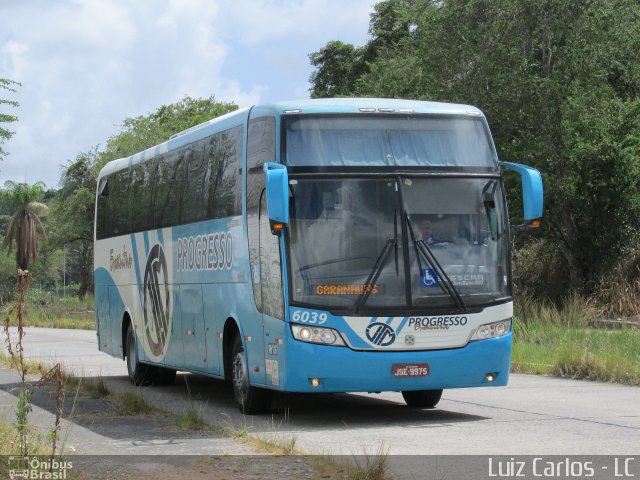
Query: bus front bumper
column 483, row 363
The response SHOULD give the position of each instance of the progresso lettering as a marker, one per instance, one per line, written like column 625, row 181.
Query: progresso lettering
column 436, row 323
column 205, row 252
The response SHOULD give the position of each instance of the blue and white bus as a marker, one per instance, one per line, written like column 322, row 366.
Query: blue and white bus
column 339, row 245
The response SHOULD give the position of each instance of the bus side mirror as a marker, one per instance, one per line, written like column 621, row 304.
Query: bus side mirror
column 532, row 192
column 277, row 190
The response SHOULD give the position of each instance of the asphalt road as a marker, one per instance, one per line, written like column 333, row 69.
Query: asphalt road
column 532, row 416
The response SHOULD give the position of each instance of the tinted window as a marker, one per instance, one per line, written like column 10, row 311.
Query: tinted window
column 142, row 198
column 194, row 191
column 224, row 156
column 171, row 183
column 196, row 182
column 102, row 208
column 119, row 210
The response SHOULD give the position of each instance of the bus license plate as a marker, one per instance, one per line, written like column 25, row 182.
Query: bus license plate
column 410, row 369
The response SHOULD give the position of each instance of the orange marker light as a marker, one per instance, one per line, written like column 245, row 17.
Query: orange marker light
column 278, row 226
column 535, row 224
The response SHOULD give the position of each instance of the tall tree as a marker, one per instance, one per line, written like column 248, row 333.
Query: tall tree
column 25, row 225
column 72, row 213
column 6, row 134
column 338, row 67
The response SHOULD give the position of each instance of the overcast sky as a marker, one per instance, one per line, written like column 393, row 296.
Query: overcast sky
column 86, row 65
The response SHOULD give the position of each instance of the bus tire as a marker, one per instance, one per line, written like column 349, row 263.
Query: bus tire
column 251, row 400
column 422, row 398
column 139, row 373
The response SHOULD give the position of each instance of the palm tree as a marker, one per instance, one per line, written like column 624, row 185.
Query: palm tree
column 25, row 225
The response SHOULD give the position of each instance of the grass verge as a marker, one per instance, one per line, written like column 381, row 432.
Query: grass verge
column 133, row 404
column 560, row 342
column 10, row 441
column 362, row 467
column 575, row 352
column 191, row 419
column 43, row 309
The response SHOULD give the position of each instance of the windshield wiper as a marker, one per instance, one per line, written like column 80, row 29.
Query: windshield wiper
column 375, row 273
column 446, row 284
column 395, row 236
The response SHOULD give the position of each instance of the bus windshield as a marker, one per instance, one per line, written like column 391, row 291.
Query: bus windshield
column 366, row 141
column 345, row 232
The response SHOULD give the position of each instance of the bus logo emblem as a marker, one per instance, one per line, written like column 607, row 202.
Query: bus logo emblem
column 157, row 302
column 381, row 334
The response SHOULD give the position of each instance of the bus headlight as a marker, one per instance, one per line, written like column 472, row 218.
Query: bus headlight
column 323, row 336
column 491, row 330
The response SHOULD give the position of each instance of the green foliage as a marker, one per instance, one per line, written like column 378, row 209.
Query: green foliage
column 25, row 224
column 592, row 354
column 7, row 277
column 96, row 388
column 191, row 419
column 5, row 134
column 339, row 66
column 44, row 308
column 133, row 403
column 72, row 213
column 559, row 83
column 38, row 297
column 563, row 342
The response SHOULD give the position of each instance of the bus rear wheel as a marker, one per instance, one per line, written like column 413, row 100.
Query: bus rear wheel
column 139, row 373
column 251, row 400
column 422, row 398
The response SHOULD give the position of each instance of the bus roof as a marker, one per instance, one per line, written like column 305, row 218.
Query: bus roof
column 382, row 105
column 313, row 106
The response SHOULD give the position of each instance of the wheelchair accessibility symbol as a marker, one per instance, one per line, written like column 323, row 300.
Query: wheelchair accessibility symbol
column 428, row 278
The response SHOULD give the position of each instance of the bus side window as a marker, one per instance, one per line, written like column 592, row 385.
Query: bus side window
column 162, row 185
column 119, row 210
column 224, row 191
column 214, row 169
column 193, row 208
column 171, row 180
column 103, row 205
column 230, row 187
column 141, row 199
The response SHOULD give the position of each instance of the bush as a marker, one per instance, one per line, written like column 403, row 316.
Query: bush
column 619, row 291
column 39, row 297
column 540, row 271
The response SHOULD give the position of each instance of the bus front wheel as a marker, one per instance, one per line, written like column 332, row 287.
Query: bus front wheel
column 251, row 400
column 422, row 398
